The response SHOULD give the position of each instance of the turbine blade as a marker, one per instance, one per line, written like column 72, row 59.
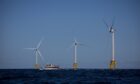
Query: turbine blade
column 42, row 58
column 105, row 23
column 81, row 44
column 39, row 43
column 84, row 45
column 75, row 40
column 30, row 48
column 113, row 21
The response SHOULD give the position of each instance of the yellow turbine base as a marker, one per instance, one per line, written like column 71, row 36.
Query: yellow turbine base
column 75, row 66
column 112, row 64
column 37, row 66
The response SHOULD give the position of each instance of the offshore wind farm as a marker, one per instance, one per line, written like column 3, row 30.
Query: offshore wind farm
column 112, row 55
column 24, row 23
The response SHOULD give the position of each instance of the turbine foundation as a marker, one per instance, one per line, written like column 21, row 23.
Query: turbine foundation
column 37, row 66
column 75, row 66
column 112, row 64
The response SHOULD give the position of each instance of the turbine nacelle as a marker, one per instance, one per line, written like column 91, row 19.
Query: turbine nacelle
column 111, row 30
column 110, row 27
column 76, row 43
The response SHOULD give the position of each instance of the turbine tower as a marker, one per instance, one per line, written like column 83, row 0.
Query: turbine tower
column 113, row 62
column 37, row 54
column 75, row 64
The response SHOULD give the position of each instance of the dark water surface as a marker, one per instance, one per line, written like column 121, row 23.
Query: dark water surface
column 81, row 76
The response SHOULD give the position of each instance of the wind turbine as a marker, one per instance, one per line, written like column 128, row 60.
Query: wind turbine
column 75, row 44
column 37, row 54
column 113, row 62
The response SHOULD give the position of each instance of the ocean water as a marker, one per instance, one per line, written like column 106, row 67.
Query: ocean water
column 68, row 76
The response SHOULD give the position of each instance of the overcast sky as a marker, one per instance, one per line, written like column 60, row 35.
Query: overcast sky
column 24, row 22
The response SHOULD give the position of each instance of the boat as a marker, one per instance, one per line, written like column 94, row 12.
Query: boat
column 52, row 67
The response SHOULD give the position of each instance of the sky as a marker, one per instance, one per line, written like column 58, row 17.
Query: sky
column 24, row 22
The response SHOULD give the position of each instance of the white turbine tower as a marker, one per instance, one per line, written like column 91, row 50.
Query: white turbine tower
column 112, row 64
column 75, row 44
column 37, row 54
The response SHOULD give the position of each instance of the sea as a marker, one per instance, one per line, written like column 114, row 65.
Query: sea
column 69, row 76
